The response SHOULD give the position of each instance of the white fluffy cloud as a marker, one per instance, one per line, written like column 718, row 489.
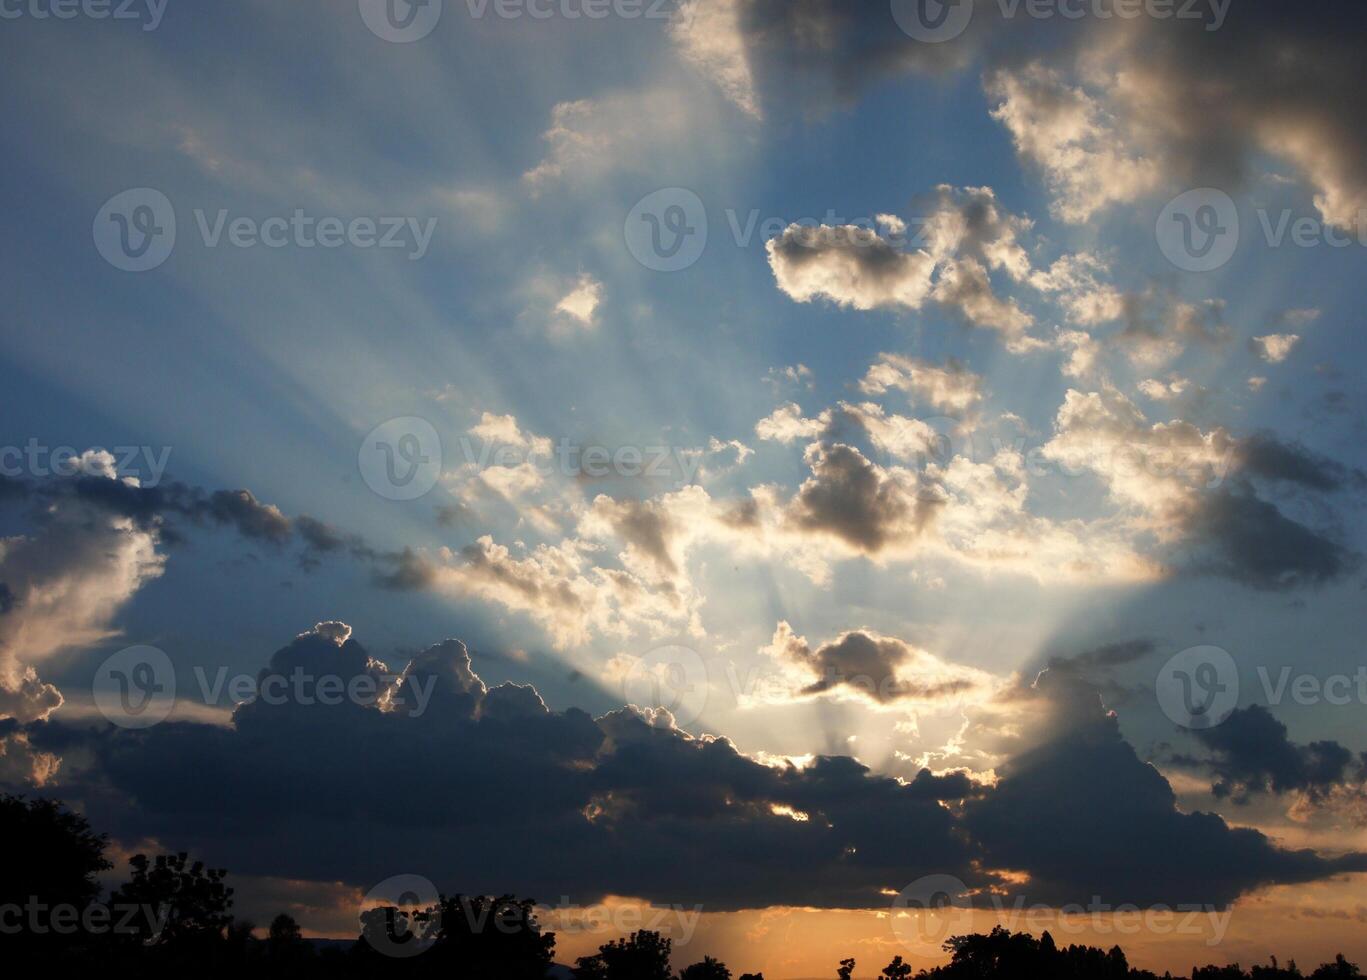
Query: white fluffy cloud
column 952, row 388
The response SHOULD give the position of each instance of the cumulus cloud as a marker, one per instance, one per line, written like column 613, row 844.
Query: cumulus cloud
column 879, row 669
column 64, row 584
column 850, row 266
column 581, row 302
column 1069, row 135
column 814, row 54
column 1083, row 816
column 1275, row 347
column 1134, row 108
column 628, row 804
column 786, row 424
column 1197, row 492
column 952, row 388
column 1251, row 754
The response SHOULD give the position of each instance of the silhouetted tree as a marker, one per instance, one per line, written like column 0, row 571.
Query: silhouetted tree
column 752, row 976
column 49, row 854
column 846, row 969
column 285, row 946
column 1335, row 970
column 896, row 970
column 643, row 956
column 491, row 939
column 189, row 902
column 708, row 969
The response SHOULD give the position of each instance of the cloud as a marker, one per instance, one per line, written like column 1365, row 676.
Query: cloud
column 815, row 54
column 850, row 266
column 1275, row 347
column 952, row 388
column 1133, row 108
column 708, row 33
column 880, row 669
column 64, row 584
column 1084, row 817
column 1071, row 138
column 589, row 138
column 567, row 805
column 628, row 804
column 580, row 303
column 1251, row 754
column 786, row 424
column 1197, row 492
column 864, row 505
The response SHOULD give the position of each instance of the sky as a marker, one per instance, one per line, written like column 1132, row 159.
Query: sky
column 775, row 461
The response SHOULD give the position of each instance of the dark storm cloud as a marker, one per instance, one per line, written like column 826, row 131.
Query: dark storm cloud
column 488, row 789
column 1239, row 536
column 1206, row 97
column 1251, row 754
column 1084, row 817
column 1265, row 456
column 170, row 506
column 810, row 53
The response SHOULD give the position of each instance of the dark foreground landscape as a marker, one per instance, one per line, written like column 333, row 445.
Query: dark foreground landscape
column 173, row 917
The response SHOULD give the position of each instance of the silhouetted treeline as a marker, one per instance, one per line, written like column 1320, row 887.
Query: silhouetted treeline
column 174, row 917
